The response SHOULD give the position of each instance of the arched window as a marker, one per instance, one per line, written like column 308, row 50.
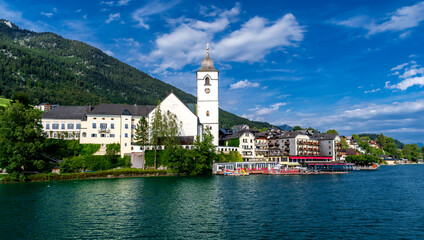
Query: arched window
column 84, row 134
column 207, row 113
column 207, row 81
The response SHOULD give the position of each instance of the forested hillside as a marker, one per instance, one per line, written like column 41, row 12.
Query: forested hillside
column 53, row 69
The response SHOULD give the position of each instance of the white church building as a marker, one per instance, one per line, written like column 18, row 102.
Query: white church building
column 115, row 123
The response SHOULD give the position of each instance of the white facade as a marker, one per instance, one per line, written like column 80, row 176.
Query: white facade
column 247, row 145
column 189, row 121
column 330, row 147
column 62, row 128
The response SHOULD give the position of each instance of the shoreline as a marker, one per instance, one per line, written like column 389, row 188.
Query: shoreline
column 107, row 174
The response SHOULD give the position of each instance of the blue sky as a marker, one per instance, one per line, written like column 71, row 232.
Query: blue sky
column 356, row 66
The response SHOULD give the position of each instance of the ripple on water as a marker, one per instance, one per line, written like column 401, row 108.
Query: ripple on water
column 384, row 204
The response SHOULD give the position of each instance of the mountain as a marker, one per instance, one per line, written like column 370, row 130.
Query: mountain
column 50, row 68
column 285, row 127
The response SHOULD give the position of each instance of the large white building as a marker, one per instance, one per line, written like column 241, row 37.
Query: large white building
column 116, row 123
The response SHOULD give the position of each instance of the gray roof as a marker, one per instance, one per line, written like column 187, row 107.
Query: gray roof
column 122, row 109
column 236, row 134
column 324, row 136
column 66, row 112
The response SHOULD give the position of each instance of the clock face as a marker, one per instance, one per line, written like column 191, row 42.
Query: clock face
column 207, row 90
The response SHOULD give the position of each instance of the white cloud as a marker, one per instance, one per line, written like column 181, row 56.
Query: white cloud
column 258, row 112
column 109, row 3
column 402, row 19
column 399, row 67
column 255, row 38
column 244, row 84
column 141, row 15
column 411, row 76
column 110, row 53
column 113, row 17
column 395, row 108
column 372, row 91
column 127, row 41
column 49, row 15
column 123, row 2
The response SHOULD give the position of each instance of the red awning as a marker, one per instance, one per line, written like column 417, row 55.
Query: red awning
column 310, row 157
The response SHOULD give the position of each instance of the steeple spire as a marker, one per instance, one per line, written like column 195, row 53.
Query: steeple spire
column 207, row 49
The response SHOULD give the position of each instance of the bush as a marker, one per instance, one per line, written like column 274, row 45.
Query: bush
column 60, row 149
column 93, row 163
column 161, row 158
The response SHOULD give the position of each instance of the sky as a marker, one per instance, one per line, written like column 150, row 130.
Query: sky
column 354, row 66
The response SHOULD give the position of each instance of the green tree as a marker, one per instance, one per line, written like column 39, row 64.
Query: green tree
column 197, row 161
column 382, row 140
column 344, row 144
column 165, row 129
column 22, row 98
column 156, row 129
column 412, row 152
column 142, row 132
column 112, row 150
column 21, row 138
column 297, row 128
column 332, row 131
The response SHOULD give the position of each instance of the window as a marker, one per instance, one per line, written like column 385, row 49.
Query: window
column 103, row 125
column 245, row 140
column 84, row 134
column 112, row 135
column 329, row 147
column 207, row 81
column 132, row 135
column 329, row 153
column 93, row 135
column 133, row 126
column 112, row 125
column 48, row 126
column 126, row 135
column 78, row 126
column 329, row 141
column 55, row 126
column 94, row 125
column 207, row 113
column 102, row 135
column 55, row 134
column 63, row 126
column 70, row 126
column 126, row 125
column 77, row 135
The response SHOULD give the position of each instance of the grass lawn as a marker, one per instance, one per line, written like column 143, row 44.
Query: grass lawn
column 4, row 102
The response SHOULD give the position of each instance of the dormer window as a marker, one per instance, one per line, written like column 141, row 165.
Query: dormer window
column 207, row 81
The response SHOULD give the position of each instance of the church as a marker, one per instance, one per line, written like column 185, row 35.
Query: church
column 115, row 123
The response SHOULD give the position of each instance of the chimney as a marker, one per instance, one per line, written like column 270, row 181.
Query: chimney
column 89, row 107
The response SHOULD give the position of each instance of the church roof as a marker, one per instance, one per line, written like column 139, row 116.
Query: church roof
column 122, row 109
column 66, row 112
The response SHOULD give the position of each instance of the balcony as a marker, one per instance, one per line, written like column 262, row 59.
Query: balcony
column 104, row 130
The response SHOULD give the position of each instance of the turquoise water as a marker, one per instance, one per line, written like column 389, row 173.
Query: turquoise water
column 385, row 204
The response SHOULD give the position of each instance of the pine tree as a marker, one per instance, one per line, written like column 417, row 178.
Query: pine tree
column 142, row 132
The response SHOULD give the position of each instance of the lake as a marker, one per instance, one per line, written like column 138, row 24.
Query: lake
column 383, row 204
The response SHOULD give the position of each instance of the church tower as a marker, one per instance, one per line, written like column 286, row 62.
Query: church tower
column 207, row 97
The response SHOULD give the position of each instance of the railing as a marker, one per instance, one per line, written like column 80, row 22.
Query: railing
column 104, row 130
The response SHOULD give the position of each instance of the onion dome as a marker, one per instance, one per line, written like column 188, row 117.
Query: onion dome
column 207, row 62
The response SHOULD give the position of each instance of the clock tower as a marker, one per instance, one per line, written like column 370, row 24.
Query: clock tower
column 207, row 97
